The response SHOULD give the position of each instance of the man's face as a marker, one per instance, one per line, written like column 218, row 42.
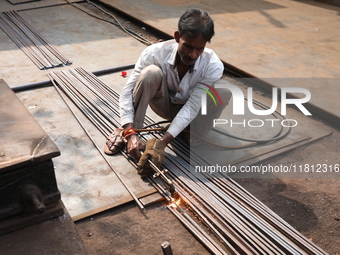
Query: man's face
column 189, row 49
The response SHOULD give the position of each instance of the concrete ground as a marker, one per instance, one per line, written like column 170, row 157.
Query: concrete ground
column 55, row 236
column 310, row 204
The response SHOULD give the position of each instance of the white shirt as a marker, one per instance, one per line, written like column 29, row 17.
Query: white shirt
column 207, row 69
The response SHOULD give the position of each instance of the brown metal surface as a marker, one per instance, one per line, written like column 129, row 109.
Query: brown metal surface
column 22, row 140
column 29, row 193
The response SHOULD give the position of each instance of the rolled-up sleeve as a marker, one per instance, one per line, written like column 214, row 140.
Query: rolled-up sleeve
column 126, row 109
column 191, row 108
column 208, row 69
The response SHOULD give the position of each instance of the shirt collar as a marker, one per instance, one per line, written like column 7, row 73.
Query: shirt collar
column 172, row 60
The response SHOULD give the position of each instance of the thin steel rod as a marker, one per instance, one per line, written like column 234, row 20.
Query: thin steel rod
column 100, row 150
column 199, row 181
column 47, row 6
column 192, row 226
column 244, row 224
column 42, row 39
column 48, row 83
column 212, row 224
column 30, row 41
column 265, row 212
column 227, row 214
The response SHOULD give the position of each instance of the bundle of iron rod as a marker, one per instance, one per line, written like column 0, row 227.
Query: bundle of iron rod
column 30, row 41
column 241, row 224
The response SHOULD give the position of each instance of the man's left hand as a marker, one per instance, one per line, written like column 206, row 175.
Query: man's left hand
column 154, row 151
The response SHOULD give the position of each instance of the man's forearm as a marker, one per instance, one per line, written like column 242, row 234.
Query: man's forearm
column 167, row 138
column 128, row 125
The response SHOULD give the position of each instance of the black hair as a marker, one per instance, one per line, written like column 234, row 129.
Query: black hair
column 196, row 22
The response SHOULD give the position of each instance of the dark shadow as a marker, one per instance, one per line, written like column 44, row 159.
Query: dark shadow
column 297, row 214
column 68, row 25
column 272, row 20
column 320, row 4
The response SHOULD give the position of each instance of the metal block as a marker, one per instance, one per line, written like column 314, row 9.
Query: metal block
column 28, row 187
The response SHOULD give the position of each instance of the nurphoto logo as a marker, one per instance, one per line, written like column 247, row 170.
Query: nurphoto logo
column 238, row 104
column 204, row 97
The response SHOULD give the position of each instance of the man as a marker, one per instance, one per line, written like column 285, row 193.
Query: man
column 171, row 77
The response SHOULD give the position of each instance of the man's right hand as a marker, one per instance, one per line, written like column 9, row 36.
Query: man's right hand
column 134, row 146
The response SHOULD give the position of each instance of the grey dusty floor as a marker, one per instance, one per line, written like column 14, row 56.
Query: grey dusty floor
column 309, row 202
column 265, row 39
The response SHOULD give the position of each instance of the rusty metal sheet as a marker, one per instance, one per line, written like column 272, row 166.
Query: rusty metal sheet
column 22, row 140
column 266, row 39
column 21, row 1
